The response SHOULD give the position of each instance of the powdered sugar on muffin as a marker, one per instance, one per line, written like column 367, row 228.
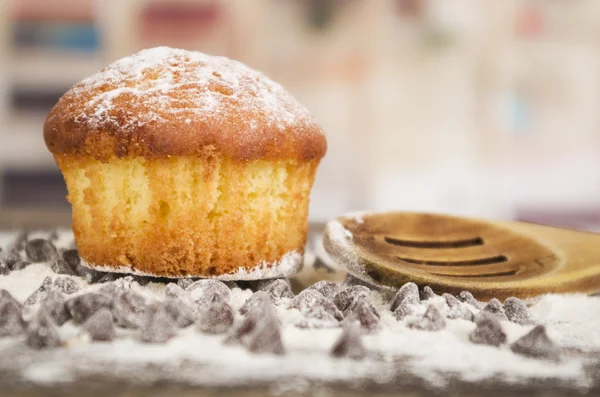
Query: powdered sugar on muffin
column 163, row 87
column 165, row 71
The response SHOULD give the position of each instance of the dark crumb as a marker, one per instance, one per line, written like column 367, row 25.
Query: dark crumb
column 260, row 329
column 517, row 312
column 488, row 330
column 277, row 289
column 18, row 246
column 349, row 344
column 427, row 293
column 129, row 309
column 40, row 250
column 408, row 290
column 84, row 306
column 495, row 307
column 185, row 282
column 215, row 316
column 8, row 260
column 363, row 311
column 119, row 285
column 7, row 296
column 326, row 288
column 314, row 305
column 180, row 309
column 537, row 344
column 20, row 265
column 203, row 290
column 67, row 285
column 432, row 320
column 40, row 293
column 173, row 290
column 4, row 270
column 11, row 319
column 467, row 297
column 54, row 305
column 406, row 307
column 344, row 298
column 158, row 326
column 265, row 337
column 257, row 302
column 106, row 277
column 42, row 332
column 100, row 326
column 71, row 258
column 60, row 266
column 457, row 309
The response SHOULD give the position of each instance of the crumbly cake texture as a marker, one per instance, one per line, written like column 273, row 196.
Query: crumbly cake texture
column 182, row 164
column 186, row 216
column 557, row 350
column 171, row 102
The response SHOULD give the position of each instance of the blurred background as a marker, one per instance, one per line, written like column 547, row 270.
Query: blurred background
column 476, row 107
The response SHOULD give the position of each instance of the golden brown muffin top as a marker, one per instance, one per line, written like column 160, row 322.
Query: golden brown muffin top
column 168, row 102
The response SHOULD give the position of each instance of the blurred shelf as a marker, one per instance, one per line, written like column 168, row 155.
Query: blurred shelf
column 369, row 87
column 55, row 36
column 21, row 142
column 33, row 156
column 64, row 10
column 33, row 103
column 45, row 69
column 20, row 219
column 25, row 189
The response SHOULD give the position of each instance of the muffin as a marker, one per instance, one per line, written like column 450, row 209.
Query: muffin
column 182, row 164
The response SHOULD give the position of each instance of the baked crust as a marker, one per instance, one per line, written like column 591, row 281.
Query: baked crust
column 165, row 102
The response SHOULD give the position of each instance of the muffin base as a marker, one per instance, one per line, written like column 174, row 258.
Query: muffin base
column 289, row 265
column 206, row 216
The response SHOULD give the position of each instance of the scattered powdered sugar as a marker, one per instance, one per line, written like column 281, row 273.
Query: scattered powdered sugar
column 338, row 241
column 185, row 85
column 288, row 265
column 389, row 352
column 338, row 233
column 572, row 320
column 21, row 284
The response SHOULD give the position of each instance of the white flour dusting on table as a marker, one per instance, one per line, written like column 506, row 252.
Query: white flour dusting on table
column 572, row 321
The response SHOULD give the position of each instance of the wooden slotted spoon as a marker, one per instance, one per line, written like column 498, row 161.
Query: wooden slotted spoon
column 452, row 254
